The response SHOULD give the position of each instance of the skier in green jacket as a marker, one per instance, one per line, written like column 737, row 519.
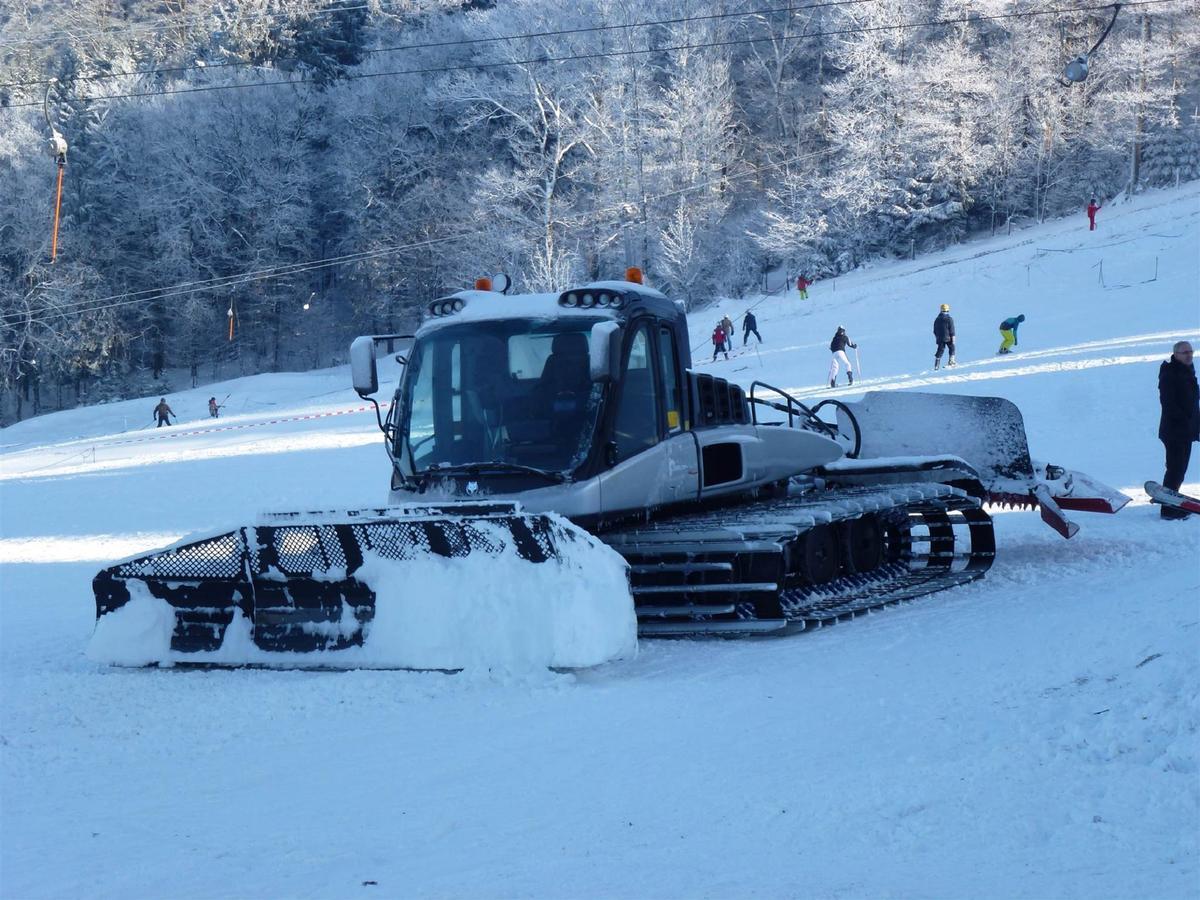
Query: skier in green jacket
column 1008, row 333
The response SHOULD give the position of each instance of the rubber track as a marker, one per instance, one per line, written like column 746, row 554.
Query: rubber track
column 925, row 553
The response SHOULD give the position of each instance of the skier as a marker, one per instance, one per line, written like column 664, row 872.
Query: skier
column 162, row 411
column 802, row 284
column 1008, row 333
column 1092, row 209
column 943, row 331
column 1180, row 423
column 718, row 339
column 727, row 327
column 837, row 347
column 213, row 407
column 750, row 327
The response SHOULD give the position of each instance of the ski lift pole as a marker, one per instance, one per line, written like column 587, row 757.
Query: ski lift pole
column 58, row 147
column 857, row 364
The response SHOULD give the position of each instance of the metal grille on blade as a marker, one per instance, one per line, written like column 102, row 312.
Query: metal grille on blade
column 219, row 557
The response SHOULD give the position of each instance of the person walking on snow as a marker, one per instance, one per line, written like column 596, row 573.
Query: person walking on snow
column 750, row 327
column 943, row 331
column 727, row 327
column 802, row 284
column 837, row 347
column 213, row 407
column 718, row 339
column 1008, row 333
column 1092, row 209
column 162, row 411
column 1179, row 426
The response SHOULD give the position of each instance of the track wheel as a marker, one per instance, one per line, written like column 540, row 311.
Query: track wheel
column 819, row 554
column 862, row 544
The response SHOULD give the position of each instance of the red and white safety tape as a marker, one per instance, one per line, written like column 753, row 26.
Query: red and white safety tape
column 160, row 435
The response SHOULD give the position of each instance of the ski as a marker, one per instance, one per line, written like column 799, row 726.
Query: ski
column 1168, row 497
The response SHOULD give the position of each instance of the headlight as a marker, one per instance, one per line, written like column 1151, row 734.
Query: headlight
column 587, row 301
column 457, row 305
column 570, row 300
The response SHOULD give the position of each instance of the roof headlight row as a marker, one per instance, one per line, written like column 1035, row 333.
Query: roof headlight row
column 589, row 299
column 446, row 307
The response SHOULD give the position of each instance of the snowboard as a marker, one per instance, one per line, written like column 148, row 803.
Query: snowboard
column 1168, row 497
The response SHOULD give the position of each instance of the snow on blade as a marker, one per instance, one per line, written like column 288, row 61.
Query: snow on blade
column 490, row 610
column 137, row 634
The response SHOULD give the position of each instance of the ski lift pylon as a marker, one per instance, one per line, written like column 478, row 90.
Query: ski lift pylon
column 58, row 149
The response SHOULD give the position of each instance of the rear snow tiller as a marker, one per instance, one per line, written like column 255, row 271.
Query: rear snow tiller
column 294, row 579
column 989, row 434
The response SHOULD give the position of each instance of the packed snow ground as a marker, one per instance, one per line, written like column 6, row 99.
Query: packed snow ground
column 1030, row 735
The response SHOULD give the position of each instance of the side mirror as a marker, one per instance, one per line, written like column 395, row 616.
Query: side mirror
column 604, row 352
column 362, row 366
column 363, row 355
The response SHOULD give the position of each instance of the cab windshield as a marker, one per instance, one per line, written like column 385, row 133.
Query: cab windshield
column 514, row 393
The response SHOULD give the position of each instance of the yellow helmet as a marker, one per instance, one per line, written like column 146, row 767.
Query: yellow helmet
column 945, row 307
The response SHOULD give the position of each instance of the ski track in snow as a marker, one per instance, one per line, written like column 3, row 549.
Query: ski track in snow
column 1033, row 734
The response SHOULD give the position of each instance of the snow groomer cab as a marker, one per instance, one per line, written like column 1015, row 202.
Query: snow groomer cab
column 581, row 403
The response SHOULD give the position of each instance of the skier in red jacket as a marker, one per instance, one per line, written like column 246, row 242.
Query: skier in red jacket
column 718, row 339
column 1092, row 209
column 802, row 284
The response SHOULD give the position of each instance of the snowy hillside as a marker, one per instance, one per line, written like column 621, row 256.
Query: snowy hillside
column 1034, row 734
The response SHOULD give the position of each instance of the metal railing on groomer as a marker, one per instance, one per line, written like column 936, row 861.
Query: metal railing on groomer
column 801, row 416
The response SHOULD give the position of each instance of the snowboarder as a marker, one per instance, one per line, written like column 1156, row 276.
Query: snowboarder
column 214, row 408
column 837, row 347
column 727, row 327
column 1180, row 423
column 943, row 331
column 1008, row 333
column 162, row 412
column 750, row 327
column 718, row 339
column 802, row 284
column 1092, row 209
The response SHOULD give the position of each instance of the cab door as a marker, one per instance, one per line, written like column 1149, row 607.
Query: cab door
column 656, row 460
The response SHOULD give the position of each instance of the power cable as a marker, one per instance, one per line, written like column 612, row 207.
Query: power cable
column 539, row 60
column 462, row 42
column 81, row 307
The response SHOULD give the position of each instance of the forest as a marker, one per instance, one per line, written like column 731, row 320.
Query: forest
column 244, row 185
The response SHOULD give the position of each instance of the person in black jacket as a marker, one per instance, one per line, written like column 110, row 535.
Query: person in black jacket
column 943, row 331
column 837, row 347
column 1180, row 423
column 750, row 327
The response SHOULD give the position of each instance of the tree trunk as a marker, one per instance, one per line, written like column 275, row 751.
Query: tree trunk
column 1139, row 131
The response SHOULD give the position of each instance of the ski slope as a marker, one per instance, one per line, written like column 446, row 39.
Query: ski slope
column 1030, row 735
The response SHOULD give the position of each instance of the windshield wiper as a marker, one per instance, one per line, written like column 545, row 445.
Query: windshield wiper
column 482, row 468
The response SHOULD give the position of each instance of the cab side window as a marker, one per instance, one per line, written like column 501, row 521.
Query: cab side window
column 637, row 408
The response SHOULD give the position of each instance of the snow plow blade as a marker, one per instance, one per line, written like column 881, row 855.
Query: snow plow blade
column 420, row 588
column 989, row 434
